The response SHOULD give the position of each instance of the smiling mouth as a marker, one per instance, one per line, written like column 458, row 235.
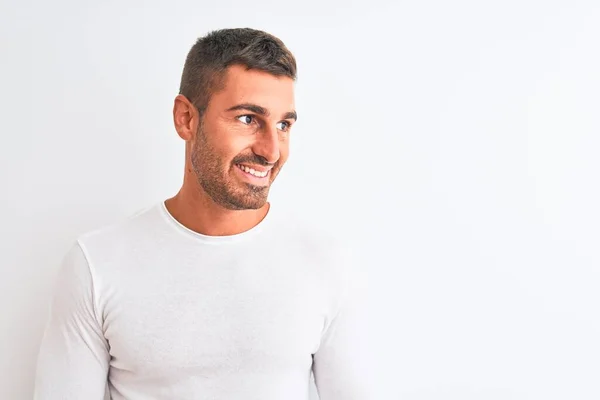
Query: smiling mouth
column 253, row 172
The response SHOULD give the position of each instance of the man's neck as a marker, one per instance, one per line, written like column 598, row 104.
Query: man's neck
column 200, row 214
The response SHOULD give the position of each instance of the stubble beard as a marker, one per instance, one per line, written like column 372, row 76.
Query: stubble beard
column 221, row 188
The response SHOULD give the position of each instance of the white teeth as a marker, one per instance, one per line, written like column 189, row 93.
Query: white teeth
column 253, row 172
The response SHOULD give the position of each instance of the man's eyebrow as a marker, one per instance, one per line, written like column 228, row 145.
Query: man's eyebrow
column 261, row 110
column 250, row 107
column 291, row 115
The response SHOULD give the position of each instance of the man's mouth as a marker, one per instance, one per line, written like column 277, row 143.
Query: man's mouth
column 259, row 172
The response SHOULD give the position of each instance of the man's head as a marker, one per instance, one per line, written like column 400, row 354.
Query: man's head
column 235, row 110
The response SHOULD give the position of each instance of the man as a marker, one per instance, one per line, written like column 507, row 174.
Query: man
column 212, row 294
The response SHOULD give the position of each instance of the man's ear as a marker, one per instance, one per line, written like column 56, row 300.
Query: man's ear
column 185, row 117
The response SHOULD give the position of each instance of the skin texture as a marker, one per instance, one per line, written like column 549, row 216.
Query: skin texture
column 247, row 122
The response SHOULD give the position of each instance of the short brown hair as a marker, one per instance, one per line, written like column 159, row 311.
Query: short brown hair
column 209, row 57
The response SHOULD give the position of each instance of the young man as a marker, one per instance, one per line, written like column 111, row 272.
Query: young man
column 211, row 294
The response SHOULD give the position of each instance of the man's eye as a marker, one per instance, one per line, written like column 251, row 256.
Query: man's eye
column 283, row 126
column 246, row 119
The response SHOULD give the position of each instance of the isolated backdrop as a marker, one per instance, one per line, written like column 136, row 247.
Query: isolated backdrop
column 457, row 141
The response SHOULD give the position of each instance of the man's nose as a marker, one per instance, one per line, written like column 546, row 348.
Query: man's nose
column 267, row 144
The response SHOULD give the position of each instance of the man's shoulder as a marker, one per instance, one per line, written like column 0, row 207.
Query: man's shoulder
column 306, row 227
column 328, row 247
column 316, row 235
column 121, row 232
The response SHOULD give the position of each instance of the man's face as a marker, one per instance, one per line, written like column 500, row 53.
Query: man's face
column 243, row 139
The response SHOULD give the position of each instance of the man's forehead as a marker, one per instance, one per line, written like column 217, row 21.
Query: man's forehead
column 275, row 93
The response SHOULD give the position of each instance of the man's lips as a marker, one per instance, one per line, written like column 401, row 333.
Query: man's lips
column 257, row 171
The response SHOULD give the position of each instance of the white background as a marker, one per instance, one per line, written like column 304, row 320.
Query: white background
column 459, row 139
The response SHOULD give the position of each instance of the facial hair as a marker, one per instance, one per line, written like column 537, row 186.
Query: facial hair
column 216, row 182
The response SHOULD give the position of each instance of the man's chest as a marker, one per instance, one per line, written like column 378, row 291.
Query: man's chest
column 214, row 324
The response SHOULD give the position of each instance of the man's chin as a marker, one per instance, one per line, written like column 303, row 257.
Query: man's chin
column 255, row 203
column 244, row 206
column 254, row 200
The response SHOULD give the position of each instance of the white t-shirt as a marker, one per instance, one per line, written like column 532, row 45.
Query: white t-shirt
column 148, row 309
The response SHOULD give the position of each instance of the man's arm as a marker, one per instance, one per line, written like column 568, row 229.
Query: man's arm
column 73, row 359
column 345, row 365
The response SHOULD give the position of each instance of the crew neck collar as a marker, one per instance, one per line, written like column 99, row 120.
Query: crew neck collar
column 216, row 239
